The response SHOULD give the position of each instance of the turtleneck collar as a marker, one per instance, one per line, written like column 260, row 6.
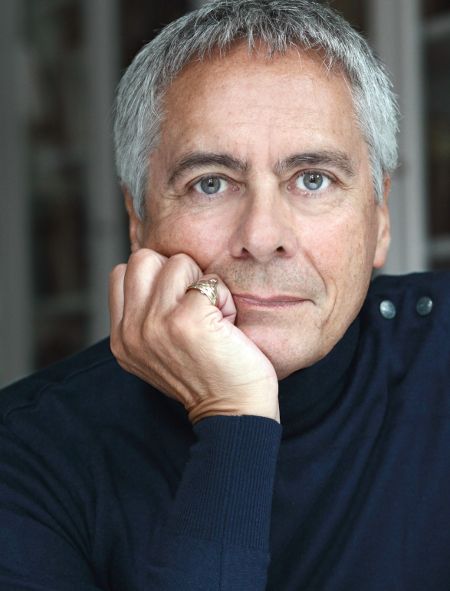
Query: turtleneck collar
column 307, row 395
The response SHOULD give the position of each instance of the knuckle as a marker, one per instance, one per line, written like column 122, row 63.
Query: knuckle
column 126, row 337
column 145, row 256
column 145, row 259
column 117, row 272
column 116, row 346
column 129, row 339
column 181, row 259
column 182, row 265
column 138, row 256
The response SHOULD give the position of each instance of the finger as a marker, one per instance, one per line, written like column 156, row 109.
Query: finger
column 179, row 271
column 225, row 304
column 142, row 270
column 116, row 296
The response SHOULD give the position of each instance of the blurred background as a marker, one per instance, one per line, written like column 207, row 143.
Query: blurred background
column 62, row 222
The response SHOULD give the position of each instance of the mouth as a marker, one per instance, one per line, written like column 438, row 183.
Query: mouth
column 275, row 301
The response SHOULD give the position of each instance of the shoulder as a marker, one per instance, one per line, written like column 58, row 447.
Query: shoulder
column 406, row 319
column 86, row 420
column 89, row 384
column 85, row 368
column 435, row 284
column 417, row 299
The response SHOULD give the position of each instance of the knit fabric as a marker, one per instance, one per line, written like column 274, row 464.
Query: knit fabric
column 105, row 484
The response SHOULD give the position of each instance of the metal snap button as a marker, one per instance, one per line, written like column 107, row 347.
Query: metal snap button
column 387, row 309
column 424, row 306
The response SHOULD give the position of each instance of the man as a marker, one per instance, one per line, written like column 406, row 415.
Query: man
column 282, row 423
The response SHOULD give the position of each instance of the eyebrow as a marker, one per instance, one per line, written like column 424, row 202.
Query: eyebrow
column 195, row 160
column 335, row 159
column 198, row 159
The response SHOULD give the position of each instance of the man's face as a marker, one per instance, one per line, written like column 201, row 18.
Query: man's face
column 262, row 176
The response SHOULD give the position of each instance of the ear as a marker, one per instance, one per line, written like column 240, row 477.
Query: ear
column 135, row 224
column 384, row 226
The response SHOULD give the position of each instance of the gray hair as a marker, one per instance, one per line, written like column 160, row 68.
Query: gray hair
column 280, row 25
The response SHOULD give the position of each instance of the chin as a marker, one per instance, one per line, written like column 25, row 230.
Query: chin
column 286, row 351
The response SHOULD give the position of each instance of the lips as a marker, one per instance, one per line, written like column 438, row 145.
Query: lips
column 267, row 301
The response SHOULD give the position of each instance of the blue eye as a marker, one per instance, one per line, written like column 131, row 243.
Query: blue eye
column 312, row 181
column 211, row 185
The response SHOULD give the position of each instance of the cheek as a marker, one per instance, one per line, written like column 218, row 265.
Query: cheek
column 203, row 240
column 343, row 253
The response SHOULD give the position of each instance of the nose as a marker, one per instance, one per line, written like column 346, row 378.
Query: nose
column 265, row 229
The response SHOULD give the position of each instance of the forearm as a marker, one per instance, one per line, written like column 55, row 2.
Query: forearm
column 217, row 532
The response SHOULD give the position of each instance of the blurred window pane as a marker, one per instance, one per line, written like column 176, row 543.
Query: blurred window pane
column 435, row 7
column 437, row 85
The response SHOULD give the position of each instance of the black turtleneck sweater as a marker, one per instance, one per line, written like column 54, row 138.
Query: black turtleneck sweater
column 104, row 484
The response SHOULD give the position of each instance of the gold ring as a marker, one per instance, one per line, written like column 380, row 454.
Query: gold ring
column 207, row 287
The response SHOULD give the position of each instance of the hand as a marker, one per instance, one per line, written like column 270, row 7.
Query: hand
column 182, row 344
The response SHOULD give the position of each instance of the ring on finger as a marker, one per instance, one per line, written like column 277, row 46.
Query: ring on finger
column 207, row 287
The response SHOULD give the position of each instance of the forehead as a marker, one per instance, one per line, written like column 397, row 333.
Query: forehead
column 283, row 99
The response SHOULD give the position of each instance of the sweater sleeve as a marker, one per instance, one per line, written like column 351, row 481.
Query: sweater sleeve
column 216, row 535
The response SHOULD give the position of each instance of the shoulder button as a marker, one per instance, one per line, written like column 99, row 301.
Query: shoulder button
column 424, row 306
column 387, row 309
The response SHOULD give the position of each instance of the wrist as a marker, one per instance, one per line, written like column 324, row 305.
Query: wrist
column 207, row 408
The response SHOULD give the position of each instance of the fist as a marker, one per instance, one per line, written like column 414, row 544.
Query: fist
column 182, row 344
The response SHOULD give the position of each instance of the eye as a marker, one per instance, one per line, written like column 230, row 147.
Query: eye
column 211, row 185
column 312, row 181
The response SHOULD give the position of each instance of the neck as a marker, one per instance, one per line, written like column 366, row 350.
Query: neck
column 307, row 395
